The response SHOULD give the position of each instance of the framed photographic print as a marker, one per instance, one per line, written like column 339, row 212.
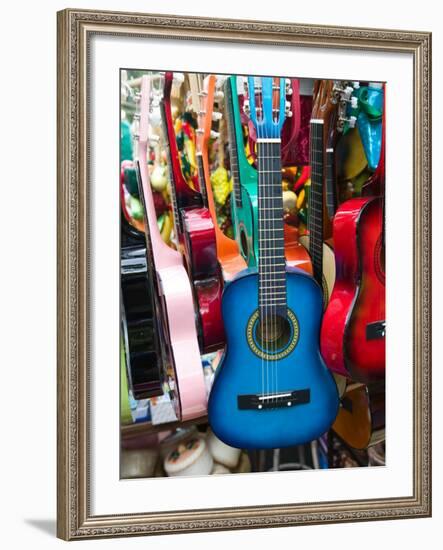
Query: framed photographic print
column 243, row 274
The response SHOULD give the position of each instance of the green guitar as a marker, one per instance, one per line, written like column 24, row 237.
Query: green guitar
column 244, row 203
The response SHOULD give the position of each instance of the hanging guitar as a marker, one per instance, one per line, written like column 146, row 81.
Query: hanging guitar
column 244, row 203
column 244, row 200
column 272, row 388
column 195, row 231
column 139, row 324
column 360, row 422
column 354, row 326
column 173, row 298
column 202, row 96
column 322, row 120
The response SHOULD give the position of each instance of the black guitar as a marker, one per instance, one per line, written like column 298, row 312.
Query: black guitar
column 139, row 323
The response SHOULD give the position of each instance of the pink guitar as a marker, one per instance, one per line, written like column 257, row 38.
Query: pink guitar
column 174, row 300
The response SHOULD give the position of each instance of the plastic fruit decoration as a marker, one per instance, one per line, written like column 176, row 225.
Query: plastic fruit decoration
column 159, row 179
column 221, row 184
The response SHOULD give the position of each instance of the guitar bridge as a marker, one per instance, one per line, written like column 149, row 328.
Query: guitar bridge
column 375, row 330
column 279, row 400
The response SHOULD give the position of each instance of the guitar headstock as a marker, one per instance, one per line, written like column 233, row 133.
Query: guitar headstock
column 203, row 95
column 141, row 116
column 266, row 105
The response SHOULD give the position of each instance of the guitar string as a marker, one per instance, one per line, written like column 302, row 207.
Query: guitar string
column 280, row 113
column 251, row 89
column 266, row 255
column 272, row 191
column 270, row 231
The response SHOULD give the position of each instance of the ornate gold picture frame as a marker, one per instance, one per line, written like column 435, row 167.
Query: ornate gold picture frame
column 75, row 31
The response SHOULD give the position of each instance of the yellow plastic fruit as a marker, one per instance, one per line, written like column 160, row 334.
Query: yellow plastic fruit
column 221, row 184
column 167, row 228
column 300, row 199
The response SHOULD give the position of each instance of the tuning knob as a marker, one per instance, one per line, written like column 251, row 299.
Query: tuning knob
column 219, row 94
column 351, row 121
column 354, row 102
column 356, row 85
column 216, row 116
column 215, row 135
column 246, row 107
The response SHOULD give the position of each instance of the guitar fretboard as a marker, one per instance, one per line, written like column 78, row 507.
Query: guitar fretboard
column 178, row 223
column 315, row 220
column 272, row 265
column 233, row 143
column 331, row 195
column 202, row 179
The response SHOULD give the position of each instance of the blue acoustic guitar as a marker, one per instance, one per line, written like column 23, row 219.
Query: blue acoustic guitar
column 244, row 201
column 272, row 388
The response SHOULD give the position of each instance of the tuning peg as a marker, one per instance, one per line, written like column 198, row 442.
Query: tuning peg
column 348, row 92
column 356, row 84
column 354, row 102
column 246, row 107
column 215, row 135
column 216, row 116
column 351, row 121
column 219, row 94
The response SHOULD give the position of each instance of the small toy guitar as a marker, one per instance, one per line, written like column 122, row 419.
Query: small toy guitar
column 173, row 297
column 323, row 261
column 272, row 388
column 354, row 326
column 139, row 324
column 196, row 233
column 244, row 202
column 202, row 93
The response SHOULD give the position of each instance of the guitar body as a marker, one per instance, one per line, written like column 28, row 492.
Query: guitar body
column 360, row 422
column 352, row 334
column 243, row 372
column 328, row 261
column 178, row 311
column 201, row 259
column 245, row 220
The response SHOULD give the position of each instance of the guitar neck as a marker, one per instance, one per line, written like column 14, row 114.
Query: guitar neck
column 315, row 220
column 178, row 224
column 272, row 272
column 201, row 178
column 233, row 145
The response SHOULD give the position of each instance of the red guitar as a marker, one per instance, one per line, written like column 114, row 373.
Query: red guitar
column 353, row 328
column 195, row 232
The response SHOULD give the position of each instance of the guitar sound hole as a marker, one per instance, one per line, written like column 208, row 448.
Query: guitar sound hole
column 273, row 333
column 244, row 243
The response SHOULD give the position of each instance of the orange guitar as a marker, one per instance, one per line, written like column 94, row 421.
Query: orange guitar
column 202, row 97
